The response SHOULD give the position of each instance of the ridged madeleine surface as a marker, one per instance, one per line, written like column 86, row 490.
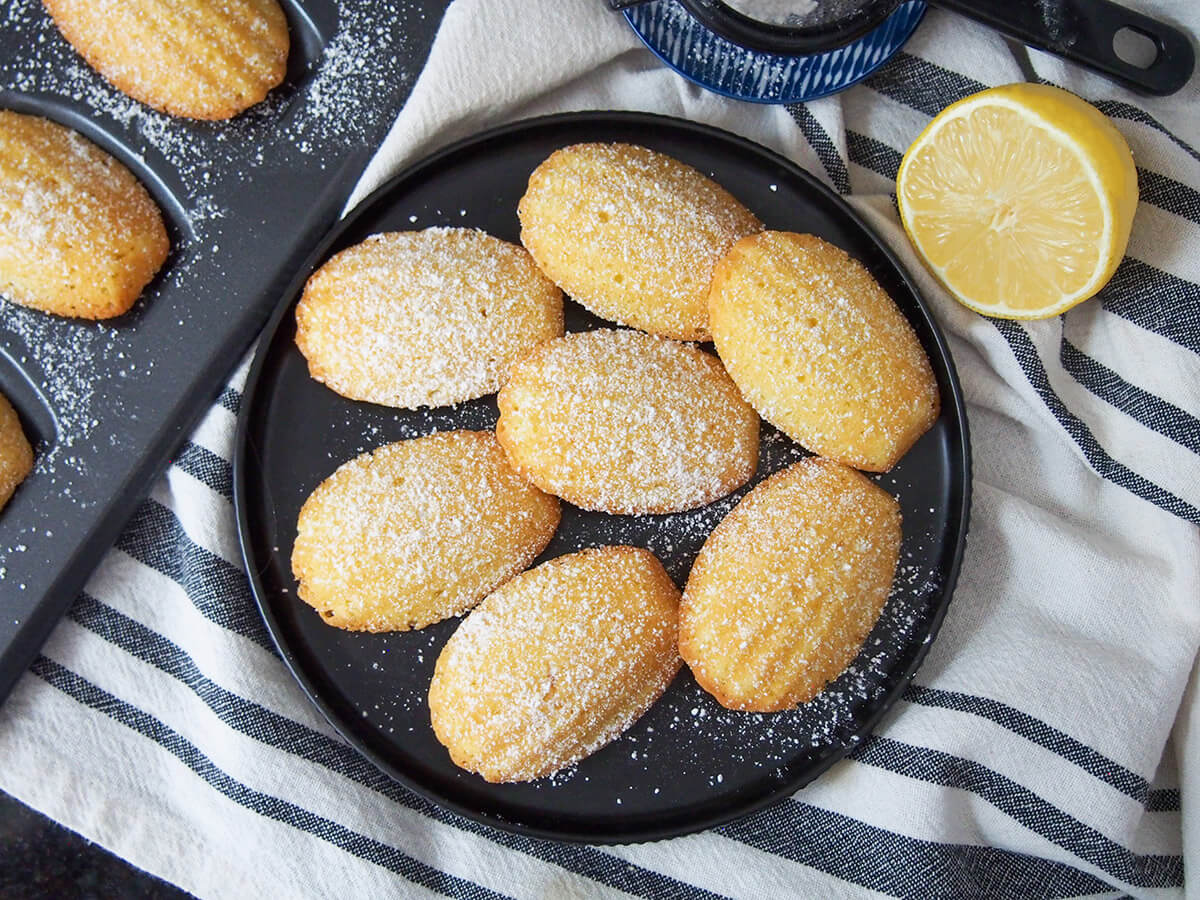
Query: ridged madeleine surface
column 625, row 422
column 16, row 455
column 788, row 586
column 203, row 59
column 79, row 235
column 632, row 234
column 424, row 318
column 417, row 531
column 820, row 350
column 556, row 663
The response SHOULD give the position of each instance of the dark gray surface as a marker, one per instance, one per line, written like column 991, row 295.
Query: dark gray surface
column 245, row 202
column 41, row 859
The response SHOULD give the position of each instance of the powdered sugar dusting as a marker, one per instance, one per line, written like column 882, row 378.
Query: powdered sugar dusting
column 624, row 422
column 556, row 663
column 364, row 58
column 796, row 13
column 788, row 585
column 631, row 234
column 417, row 531
column 775, row 12
column 424, row 318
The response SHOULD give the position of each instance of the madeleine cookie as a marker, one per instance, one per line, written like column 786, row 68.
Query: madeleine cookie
column 556, row 663
column 625, row 422
column 631, row 234
column 424, row 318
column 787, row 587
column 16, row 456
column 203, row 59
column 417, row 531
column 79, row 236
column 820, row 349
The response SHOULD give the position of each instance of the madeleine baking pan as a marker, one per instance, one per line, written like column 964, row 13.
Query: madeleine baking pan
column 245, row 202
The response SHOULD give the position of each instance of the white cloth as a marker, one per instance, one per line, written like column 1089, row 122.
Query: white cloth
column 1034, row 756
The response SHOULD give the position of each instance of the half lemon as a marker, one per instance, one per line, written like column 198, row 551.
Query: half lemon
column 1019, row 199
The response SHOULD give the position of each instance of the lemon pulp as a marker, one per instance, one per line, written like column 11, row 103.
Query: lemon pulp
column 1019, row 199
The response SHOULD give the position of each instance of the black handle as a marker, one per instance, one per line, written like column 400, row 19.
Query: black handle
column 1083, row 31
column 623, row 4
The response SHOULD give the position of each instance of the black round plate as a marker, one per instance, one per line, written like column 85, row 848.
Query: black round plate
column 688, row 763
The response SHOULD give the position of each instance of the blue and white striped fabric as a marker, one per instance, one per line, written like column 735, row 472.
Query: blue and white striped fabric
column 1034, row 755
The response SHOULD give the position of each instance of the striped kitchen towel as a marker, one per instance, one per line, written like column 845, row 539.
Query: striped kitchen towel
column 1035, row 754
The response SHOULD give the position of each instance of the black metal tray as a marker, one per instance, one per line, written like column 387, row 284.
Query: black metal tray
column 245, row 202
column 688, row 763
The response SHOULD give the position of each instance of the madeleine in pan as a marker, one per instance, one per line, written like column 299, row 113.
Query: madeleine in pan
column 79, row 235
column 194, row 58
column 16, row 454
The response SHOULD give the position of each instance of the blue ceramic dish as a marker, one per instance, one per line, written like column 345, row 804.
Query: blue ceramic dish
column 720, row 65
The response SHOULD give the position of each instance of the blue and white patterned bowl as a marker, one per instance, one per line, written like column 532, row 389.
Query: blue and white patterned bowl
column 720, row 65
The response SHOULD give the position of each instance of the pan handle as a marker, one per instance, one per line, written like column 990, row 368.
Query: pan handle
column 1083, row 32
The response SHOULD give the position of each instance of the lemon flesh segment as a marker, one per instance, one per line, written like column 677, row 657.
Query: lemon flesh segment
column 1017, row 216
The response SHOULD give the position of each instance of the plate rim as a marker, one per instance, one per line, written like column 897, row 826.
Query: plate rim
column 241, row 463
